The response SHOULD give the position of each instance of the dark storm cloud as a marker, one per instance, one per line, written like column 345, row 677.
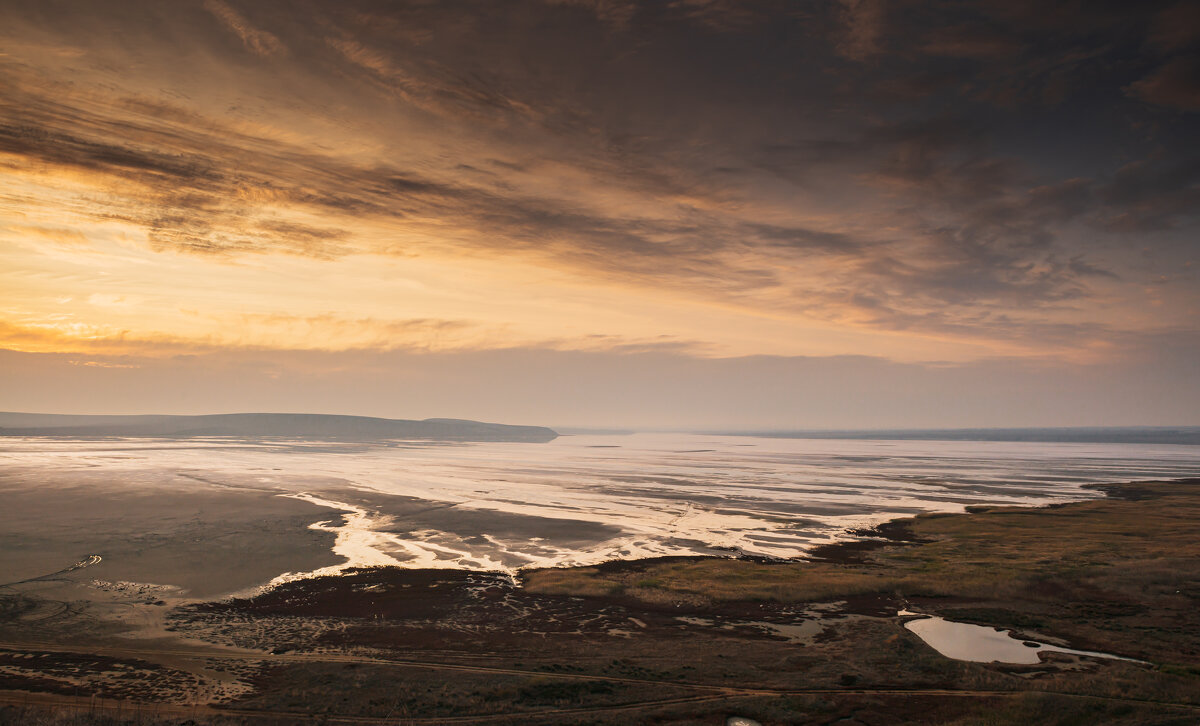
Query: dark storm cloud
column 965, row 149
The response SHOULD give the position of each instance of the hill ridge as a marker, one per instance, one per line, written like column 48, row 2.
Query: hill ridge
column 306, row 425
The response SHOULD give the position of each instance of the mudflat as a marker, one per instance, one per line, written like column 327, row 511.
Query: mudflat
column 168, row 529
column 683, row 639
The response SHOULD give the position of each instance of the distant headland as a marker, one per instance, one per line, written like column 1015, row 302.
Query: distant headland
column 306, row 425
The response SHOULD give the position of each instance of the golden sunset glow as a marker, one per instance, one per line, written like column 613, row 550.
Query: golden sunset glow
column 221, row 177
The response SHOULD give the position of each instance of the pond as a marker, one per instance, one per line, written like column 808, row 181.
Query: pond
column 983, row 644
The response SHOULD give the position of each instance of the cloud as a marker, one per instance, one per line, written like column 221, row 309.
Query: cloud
column 643, row 389
column 863, row 30
column 101, row 364
column 259, row 42
column 974, row 239
column 1176, row 84
column 729, row 15
column 46, row 146
column 266, row 332
column 229, row 194
column 973, row 174
column 1175, row 27
column 1145, row 196
column 801, row 238
column 614, row 13
column 981, row 42
column 58, row 235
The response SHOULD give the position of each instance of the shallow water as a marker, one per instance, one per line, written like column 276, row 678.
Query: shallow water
column 801, row 631
column 983, row 644
column 585, row 499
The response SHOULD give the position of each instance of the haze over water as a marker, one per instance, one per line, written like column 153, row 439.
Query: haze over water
column 586, row 499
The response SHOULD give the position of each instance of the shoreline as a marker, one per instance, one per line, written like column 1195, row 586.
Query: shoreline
column 483, row 508
column 861, row 541
column 1101, row 575
column 876, row 574
column 355, row 535
column 854, row 550
column 1075, row 568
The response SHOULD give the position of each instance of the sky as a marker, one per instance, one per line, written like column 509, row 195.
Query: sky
column 697, row 214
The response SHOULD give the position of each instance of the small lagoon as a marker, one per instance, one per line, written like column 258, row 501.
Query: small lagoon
column 983, row 644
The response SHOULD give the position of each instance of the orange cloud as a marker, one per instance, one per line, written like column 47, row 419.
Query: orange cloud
column 257, row 41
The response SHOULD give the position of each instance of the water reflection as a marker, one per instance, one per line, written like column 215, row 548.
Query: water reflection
column 983, row 644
